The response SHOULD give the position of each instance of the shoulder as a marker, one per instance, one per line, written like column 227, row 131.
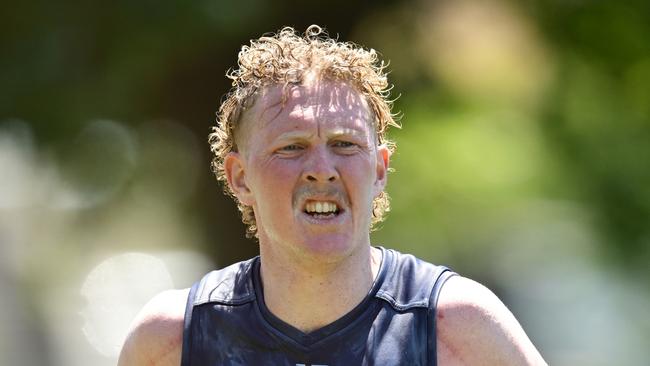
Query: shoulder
column 156, row 335
column 475, row 327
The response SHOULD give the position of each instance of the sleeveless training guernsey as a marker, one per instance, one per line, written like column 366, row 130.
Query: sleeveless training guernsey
column 227, row 322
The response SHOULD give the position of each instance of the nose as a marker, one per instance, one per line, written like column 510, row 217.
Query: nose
column 320, row 167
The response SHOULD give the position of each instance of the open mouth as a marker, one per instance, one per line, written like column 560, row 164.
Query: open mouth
column 322, row 209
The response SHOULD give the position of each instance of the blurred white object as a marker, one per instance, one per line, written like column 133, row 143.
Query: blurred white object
column 115, row 290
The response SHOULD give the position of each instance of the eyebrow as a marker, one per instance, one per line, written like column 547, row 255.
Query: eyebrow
column 335, row 132
column 345, row 132
column 294, row 135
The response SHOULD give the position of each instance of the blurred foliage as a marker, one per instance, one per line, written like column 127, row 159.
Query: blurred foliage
column 525, row 140
column 584, row 138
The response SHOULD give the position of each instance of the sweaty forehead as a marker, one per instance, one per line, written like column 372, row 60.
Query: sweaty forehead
column 317, row 100
column 328, row 104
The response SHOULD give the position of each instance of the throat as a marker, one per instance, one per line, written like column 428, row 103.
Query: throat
column 309, row 301
column 316, row 308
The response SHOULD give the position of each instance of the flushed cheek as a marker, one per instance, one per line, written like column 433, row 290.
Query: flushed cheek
column 360, row 185
column 273, row 169
column 274, row 208
column 281, row 180
column 274, row 190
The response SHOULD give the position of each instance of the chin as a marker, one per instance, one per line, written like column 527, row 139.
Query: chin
column 329, row 247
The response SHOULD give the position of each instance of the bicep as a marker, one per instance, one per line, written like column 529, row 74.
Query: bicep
column 131, row 354
column 156, row 335
column 480, row 328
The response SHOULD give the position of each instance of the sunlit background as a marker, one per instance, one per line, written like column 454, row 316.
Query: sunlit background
column 523, row 162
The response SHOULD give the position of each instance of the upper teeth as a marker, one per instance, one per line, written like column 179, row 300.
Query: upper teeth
column 320, row 207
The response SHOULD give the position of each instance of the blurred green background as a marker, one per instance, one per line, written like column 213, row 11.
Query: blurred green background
column 523, row 162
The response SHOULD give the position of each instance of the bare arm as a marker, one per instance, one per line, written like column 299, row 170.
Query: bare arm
column 156, row 335
column 475, row 328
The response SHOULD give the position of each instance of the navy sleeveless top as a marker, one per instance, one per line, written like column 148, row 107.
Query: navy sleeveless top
column 227, row 322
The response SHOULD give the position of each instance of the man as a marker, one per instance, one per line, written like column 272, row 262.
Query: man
column 301, row 145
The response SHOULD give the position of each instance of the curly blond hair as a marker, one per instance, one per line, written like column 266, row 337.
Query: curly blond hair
column 286, row 58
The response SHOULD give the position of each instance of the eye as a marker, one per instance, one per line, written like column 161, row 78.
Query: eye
column 292, row 147
column 343, row 144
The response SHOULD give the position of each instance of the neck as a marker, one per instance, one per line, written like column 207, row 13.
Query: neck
column 309, row 294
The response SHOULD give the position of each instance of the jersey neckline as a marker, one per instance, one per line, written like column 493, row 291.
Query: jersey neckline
column 321, row 334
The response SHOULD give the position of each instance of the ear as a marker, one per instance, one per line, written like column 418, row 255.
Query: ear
column 383, row 161
column 234, row 166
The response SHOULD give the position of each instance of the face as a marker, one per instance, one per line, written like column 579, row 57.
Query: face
column 310, row 168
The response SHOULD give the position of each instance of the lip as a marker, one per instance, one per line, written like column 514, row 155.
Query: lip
column 323, row 220
column 333, row 220
column 331, row 195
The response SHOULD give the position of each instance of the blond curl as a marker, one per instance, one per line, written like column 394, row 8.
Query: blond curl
column 287, row 58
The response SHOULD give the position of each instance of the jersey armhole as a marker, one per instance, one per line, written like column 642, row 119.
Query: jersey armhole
column 432, row 352
column 187, row 337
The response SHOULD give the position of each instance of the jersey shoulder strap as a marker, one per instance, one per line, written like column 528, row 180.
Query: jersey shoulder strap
column 413, row 283
column 187, row 339
column 231, row 285
column 442, row 275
